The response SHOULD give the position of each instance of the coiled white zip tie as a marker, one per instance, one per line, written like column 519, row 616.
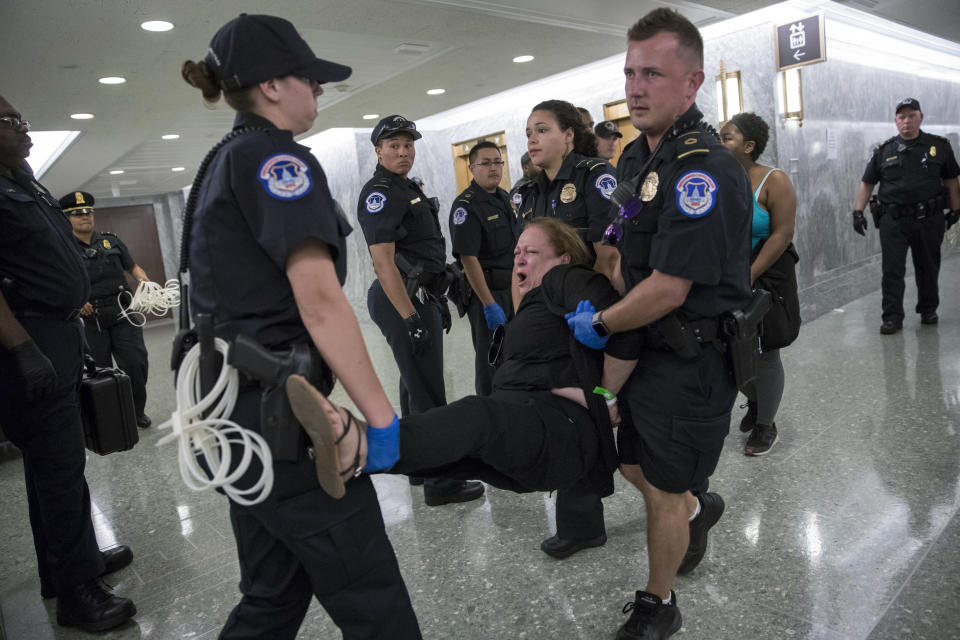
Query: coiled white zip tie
column 150, row 297
column 214, row 436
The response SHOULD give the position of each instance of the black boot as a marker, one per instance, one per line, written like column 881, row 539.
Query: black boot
column 447, row 492
column 92, row 607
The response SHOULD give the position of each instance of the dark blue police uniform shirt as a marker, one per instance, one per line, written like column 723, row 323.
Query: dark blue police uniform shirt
column 696, row 218
column 106, row 258
column 394, row 209
column 264, row 196
column 37, row 249
column 482, row 226
column 911, row 171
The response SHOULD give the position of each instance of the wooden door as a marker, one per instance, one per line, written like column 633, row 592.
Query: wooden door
column 461, row 160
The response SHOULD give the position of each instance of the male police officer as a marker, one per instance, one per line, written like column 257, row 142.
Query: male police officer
column 42, row 286
column 530, row 171
column 401, row 227
column 684, row 240
column 109, row 334
column 483, row 234
column 916, row 171
column 607, row 135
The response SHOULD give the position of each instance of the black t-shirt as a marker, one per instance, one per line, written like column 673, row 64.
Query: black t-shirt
column 482, row 225
column 911, row 171
column 696, row 218
column 264, row 196
column 106, row 258
column 394, row 209
column 536, row 347
column 37, row 249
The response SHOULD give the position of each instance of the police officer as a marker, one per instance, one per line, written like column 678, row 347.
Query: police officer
column 265, row 197
column 42, row 287
column 684, row 241
column 483, row 234
column 607, row 135
column 917, row 172
column 530, row 171
column 402, row 230
column 109, row 334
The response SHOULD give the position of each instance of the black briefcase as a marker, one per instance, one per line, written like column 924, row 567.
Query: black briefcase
column 106, row 405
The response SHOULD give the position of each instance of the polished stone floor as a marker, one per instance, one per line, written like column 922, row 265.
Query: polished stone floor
column 847, row 530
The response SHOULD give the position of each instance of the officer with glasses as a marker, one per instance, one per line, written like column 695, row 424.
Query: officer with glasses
column 483, row 234
column 109, row 335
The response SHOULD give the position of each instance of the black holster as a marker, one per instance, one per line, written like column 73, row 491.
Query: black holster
column 742, row 331
column 678, row 337
column 278, row 426
column 876, row 210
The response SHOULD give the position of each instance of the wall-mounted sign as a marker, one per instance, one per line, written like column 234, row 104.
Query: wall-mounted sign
column 800, row 42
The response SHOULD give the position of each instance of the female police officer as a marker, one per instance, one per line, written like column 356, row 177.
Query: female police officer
column 265, row 198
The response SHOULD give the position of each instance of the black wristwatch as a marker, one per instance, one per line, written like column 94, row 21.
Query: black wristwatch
column 598, row 325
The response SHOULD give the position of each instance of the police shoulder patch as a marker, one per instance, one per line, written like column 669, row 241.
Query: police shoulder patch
column 606, row 184
column 285, row 176
column 517, row 198
column 459, row 216
column 375, row 202
column 696, row 193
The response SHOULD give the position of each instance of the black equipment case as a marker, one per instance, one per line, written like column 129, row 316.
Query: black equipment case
column 109, row 417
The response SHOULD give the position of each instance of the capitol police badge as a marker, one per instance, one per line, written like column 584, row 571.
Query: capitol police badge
column 933, row 151
column 650, row 185
column 375, row 201
column 568, row 194
column 606, row 185
column 695, row 193
column 106, row 244
column 459, row 216
column 285, row 176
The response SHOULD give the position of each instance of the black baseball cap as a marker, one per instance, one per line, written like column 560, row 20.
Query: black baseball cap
column 253, row 48
column 77, row 201
column 392, row 125
column 607, row 129
column 907, row 103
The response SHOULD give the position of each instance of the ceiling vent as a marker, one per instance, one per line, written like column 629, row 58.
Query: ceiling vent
column 409, row 49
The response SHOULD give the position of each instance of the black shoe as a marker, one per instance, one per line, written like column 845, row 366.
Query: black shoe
column 559, row 548
column 415, row 481
column 761, row 440
column 93, row 608
column 929, row 318
column 890, row 327
column 144, row 421
column 650, row 619
column 116, row 558
column 460, row 492
column 711, row 508
column 749, row 420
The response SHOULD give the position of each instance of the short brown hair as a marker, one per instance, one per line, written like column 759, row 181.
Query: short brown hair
column 663, row 19
column 563, row 238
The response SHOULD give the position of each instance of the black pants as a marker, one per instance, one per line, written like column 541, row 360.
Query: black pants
column 111, row 337
column 923, row 238
column 49, row 433
column 300, row 543
column 483, row 372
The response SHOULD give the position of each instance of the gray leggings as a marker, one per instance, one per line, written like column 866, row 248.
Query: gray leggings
column 768, row 388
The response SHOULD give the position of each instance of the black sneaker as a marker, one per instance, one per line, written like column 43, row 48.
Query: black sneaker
column 749, row 420
column 92, row 607
column 889, row 327
column 449, row 493
column 560, row 548
column 711, row 508
column 929, row 318
column 650, row 619
column 761, row 440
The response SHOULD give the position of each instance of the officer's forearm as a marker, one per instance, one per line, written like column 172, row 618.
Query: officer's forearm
column 863, row 196
column 474, row 273
column 12, row 332
column 647, row 302
column 390, row 279
column 953, row 189
column 138, row 273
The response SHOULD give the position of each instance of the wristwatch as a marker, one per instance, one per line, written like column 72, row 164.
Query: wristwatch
column 598, row 325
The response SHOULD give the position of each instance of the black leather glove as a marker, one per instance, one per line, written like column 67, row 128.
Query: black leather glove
column 38, row 373
column 446, row 321
column 418, row 334
column 859, row 222
column 952, row 217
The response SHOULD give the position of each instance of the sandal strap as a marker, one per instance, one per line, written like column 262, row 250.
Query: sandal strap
column 354, row 469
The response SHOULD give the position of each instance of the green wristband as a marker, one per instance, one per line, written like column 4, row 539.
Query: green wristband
column 609, row 396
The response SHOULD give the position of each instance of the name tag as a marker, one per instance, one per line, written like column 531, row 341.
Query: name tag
column 415, row 200
column 493, row 217
column 890, row 158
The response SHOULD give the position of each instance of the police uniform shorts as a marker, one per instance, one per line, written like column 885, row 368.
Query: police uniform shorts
column 681, row 415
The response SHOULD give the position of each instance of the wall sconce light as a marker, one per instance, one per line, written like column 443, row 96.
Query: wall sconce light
column 729, row 94
column 793, row 95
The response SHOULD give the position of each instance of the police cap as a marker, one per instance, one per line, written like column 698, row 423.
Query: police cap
column 607, row 129
column 392, row 125
column 907, row 103
column 77, row 201
column 254, row 48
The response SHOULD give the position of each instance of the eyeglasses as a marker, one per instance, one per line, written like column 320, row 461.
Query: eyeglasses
column 486, row 164
column 16, row 122
column 496, row 345
column 80, row 213
column 614, row 233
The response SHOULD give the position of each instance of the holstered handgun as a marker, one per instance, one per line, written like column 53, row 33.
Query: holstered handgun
column 876, row 210
column 186, row 336
column 278, row 426
column 742, row 330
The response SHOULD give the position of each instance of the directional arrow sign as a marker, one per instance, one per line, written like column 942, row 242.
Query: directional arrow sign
column 800, row 42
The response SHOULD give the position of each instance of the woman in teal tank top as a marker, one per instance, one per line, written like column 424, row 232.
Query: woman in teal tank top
column 774, row 215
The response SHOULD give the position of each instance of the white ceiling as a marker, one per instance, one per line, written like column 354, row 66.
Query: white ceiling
column 55, row 50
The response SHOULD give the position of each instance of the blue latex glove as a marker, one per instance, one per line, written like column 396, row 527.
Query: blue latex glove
column 581, row 323
column 494, row 315
column 383, row 446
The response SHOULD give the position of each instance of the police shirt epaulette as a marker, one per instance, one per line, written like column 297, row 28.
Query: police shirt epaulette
column 465, row 197
column 939, row 138
column 689, row 143
column 586, row 161
column 384, row 182
column 107, row 233
column 886, row 142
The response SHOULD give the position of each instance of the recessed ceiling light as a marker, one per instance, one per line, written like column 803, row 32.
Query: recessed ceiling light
column 112, row 80
column 81, row 116
column 436, row 92
column 178, row 169
column 371, row 116
column 156, row 25
column 116, row 172
column 170, row 136
column 523, row 59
